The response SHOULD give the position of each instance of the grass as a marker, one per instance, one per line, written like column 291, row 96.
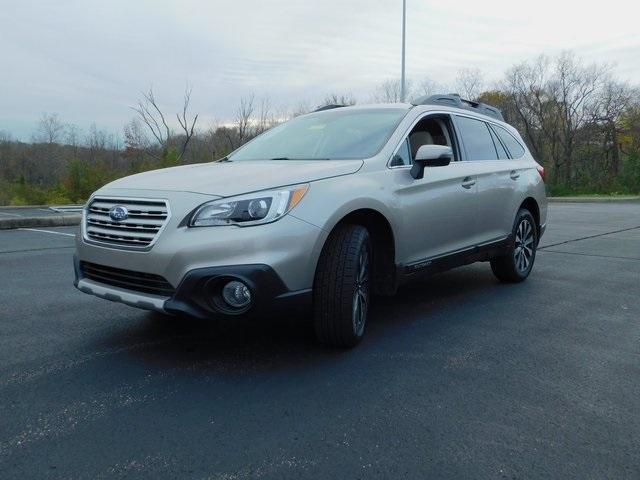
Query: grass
column 595, row 195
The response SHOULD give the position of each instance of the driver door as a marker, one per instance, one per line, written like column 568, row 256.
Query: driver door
column 438, row 211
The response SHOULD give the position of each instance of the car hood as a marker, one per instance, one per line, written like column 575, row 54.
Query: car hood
column 233, row 178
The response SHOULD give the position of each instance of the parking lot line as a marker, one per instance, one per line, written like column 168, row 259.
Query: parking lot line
column 48, row 231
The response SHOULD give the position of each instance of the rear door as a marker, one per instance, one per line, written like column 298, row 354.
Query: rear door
column 513, row 175
column 493, row 169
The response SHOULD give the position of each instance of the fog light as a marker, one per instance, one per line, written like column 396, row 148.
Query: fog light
column 236, row 294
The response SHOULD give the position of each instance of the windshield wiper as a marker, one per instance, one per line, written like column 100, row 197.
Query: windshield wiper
column 281, row 158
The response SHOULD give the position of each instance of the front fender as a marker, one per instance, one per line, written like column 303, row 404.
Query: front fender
column 329, row 201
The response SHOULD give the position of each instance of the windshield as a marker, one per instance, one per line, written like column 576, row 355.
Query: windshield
column 335, row 134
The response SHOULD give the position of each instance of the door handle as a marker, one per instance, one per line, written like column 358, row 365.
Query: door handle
column 468, row 182
column 514, row 175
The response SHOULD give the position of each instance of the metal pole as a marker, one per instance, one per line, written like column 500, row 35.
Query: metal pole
column 404, row 27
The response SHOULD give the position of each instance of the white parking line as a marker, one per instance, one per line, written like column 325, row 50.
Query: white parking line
column 48, row 231
column 9, row 214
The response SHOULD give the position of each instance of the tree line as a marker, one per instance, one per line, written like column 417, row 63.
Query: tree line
column 578, row 120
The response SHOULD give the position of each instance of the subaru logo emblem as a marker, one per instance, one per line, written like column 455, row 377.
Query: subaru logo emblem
column 118, row 213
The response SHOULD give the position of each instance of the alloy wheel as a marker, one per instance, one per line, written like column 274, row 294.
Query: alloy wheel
column 524, row 245
column 361, row 293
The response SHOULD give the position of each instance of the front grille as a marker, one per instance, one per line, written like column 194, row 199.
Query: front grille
column 127, row 279
column 140, row 228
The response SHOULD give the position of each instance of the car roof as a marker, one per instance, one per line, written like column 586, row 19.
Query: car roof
column 419, row 108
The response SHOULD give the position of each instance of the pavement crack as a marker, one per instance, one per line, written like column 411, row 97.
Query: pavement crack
column 588, row 237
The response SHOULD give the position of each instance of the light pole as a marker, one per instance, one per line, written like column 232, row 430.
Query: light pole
column 404, row 28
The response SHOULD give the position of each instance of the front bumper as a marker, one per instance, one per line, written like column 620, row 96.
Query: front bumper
column 278, row 259
column 199, row 293
column 289, row 246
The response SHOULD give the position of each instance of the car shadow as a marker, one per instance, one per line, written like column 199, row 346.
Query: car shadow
column 284, row 342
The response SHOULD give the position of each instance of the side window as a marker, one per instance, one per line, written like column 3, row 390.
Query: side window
column 433, row 129
column 476, row 138
column 502, row 153
column 402, row 156
column 515, row 148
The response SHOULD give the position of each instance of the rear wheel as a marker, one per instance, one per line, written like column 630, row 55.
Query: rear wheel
column 341, row 290
column 516, row 265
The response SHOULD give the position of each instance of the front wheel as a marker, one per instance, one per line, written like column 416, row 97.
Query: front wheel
column 516, row 265
column 341, row 289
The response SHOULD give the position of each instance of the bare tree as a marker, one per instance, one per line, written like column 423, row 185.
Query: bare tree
column 96, row 141
column 615, row 99
column 134, row 136
column 187, row 126
column 469, row 83
column 431, row 87
column 244, row 118
column 526, row 86
column 5, row 136
column 575, row 88
column 564, row 107
column 339, row 99
column 389, row 91
column 265, row 117
column 73, row 136
column 50, row 128
column 300, row 108
column 151, row 115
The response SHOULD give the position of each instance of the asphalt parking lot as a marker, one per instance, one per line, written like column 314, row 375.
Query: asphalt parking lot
column 459, row 376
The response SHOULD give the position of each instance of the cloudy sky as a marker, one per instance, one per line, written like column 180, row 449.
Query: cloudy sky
column 89, row 60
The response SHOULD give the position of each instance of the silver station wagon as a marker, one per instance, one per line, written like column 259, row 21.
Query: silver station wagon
column 318, row 214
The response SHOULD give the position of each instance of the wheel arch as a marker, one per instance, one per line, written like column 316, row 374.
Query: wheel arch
column 384, row 246
column 531, row 204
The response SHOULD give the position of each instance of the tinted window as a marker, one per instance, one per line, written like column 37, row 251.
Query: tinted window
column 515, row 148
column 477, row 139
column 402, row 156
column 340, row 133
column 502, row 153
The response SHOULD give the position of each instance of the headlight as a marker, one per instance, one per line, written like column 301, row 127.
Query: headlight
column 252, row 209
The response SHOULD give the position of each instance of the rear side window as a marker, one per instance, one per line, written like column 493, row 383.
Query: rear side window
column 502, row 153
column 515, row 148
column 476, row 138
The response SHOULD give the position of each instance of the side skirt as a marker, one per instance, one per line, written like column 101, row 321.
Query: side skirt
column 441, row 263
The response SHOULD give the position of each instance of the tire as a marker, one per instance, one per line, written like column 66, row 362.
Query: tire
column 341, row 288
column 516, row 265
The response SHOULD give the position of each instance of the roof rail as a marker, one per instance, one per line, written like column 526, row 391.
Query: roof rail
column 328, row 107
column 454, row 100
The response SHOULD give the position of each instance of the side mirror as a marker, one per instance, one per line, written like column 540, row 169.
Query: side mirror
column 430, row 156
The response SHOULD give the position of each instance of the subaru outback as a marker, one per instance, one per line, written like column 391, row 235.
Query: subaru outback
column 318, row 214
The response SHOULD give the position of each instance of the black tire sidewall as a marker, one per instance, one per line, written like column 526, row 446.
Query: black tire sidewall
column 335, row 285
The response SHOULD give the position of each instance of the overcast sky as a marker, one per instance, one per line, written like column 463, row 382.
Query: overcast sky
column 88, row 60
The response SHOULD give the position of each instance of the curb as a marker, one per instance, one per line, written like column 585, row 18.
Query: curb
column 48, row 221
column 24, row 207
column 592, row 199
